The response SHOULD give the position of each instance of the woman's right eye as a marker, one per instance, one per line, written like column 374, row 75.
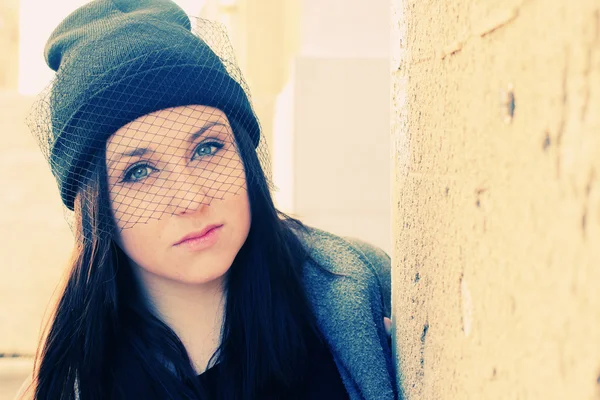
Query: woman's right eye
column 137, row 173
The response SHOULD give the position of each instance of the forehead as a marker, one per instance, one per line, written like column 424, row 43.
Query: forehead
column 158, row 127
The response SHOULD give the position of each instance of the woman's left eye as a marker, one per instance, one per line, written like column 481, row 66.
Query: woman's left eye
column 208, row 149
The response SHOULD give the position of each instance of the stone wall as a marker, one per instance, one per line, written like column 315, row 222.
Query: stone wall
column 496, row 136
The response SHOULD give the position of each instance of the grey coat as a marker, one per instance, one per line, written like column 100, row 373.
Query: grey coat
column 350, row 310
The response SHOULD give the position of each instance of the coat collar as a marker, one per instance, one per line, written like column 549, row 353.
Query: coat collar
column 347, row 300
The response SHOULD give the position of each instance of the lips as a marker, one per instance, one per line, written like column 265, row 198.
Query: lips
column 198, row 234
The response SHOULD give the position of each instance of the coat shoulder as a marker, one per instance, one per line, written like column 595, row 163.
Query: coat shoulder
column 351, row 257
column 348, row 284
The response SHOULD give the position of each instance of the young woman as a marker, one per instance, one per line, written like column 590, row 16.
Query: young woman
column 185, row 281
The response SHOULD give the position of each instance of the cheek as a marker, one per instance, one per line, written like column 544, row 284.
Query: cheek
column 240, row 212
column 141, row 244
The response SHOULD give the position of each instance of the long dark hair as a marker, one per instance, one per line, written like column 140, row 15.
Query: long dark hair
column 103, row 341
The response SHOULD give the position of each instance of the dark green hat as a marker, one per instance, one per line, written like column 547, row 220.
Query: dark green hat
column 117, row 60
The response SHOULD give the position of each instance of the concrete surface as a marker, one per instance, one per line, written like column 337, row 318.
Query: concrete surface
column 340, row 155
column 497, row 218
column 13, row 372
column 9, row 43
column 331, row 145
column 35, row 241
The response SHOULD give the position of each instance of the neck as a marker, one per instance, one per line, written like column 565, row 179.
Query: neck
column 193, row 311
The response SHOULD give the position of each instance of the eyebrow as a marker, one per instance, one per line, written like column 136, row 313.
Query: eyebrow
column 201, row 131
column 140, row 151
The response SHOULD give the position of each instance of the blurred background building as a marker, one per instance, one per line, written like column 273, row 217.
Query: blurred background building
column 318, row 71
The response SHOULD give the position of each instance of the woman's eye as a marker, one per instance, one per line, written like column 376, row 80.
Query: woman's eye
column 141, row 171
column 137, row 173
column 208, row 149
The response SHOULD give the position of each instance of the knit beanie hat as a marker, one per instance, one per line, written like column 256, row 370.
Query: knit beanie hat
column 118, row 60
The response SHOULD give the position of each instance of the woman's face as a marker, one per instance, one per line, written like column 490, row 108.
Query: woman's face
column 173, row 173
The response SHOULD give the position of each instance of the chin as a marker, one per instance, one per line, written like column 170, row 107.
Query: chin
column 197, row 275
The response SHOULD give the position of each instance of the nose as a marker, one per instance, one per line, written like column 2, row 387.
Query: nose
column 189, row 192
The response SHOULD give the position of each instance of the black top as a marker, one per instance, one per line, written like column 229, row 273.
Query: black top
column 322, row 382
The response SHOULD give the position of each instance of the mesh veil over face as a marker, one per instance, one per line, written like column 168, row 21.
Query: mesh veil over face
column 157, row 98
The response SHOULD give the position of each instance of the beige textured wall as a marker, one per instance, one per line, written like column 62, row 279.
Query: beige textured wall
column 497, row 219
column 9, row 42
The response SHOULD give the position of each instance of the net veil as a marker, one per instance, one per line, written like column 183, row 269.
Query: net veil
column 148, row 112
